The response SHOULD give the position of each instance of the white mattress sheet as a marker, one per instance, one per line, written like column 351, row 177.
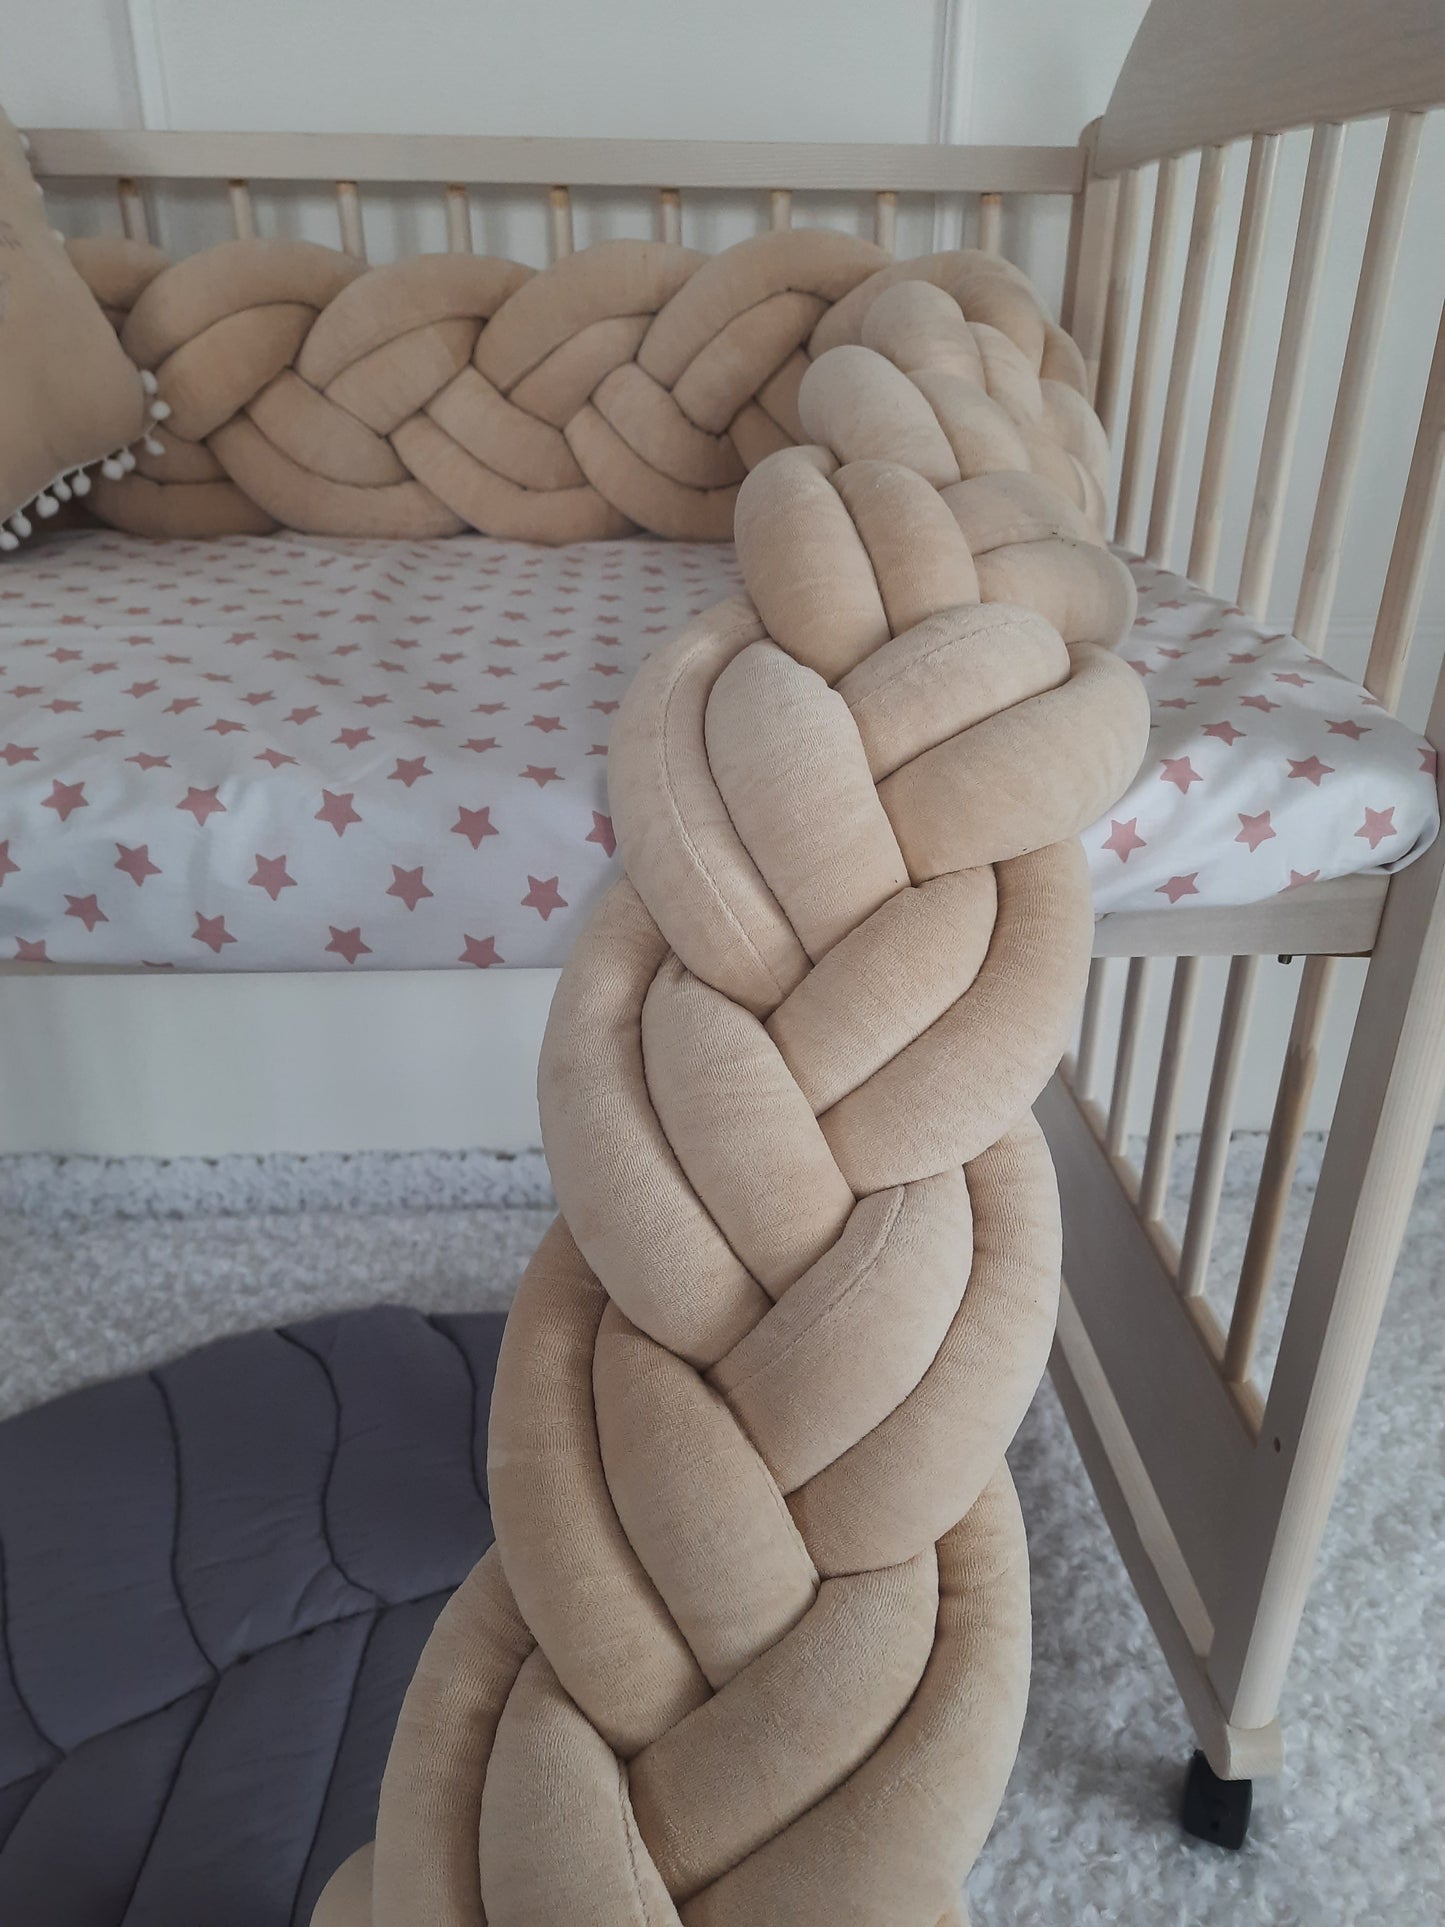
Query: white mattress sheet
column 296, row 753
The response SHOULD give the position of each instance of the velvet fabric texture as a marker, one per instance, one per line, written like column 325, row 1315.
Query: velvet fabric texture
column 68, row 394
column 751, row 1649
column 631, row 385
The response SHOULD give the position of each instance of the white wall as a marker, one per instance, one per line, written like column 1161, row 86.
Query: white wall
column 980, row 70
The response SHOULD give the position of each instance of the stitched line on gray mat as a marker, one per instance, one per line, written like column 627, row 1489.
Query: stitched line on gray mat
column 471, row 1373
column 341, row 1732
column 26, row 1708
column 331, row 1385
column 179, row 1491
column 175, row 1779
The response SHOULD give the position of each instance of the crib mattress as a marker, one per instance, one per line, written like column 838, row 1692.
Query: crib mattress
column 296, row 753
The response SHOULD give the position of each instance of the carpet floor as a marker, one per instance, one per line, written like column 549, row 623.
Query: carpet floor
column 108, row 1266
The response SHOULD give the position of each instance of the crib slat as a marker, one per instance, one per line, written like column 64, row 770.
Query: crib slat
column 1301, row 304
column 1218, row 1123
column 1136, row 992
column 459, row 219
column 1281, row 1155
column 669, row 215
column 1086, row 288
column 885, row 219
column 1362, row 352
column 348, row 214
column 1197, row 260
column 1146, row 355
column 243, row 214
column 132, row 210
column 1229, row 373
column 780, row 207
column 1116, row 311
column 1405, row 577
column 1090, row 1018
column 559, row 207
column 990, row 223
column 1160, row 1152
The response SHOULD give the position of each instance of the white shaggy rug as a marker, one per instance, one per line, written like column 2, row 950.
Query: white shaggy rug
column 108, row 1266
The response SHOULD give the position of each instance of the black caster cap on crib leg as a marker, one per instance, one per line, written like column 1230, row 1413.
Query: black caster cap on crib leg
column 1215, row 1810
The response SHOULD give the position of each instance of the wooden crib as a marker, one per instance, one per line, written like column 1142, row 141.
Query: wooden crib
column 1216, row 1485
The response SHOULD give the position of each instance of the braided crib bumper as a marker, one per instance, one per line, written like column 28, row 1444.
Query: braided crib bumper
column 752, row 1647
column 631, row 385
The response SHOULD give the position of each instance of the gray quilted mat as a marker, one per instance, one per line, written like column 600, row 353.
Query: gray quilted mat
column 215, row 1579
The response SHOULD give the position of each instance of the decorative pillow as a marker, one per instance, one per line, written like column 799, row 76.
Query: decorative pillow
column 69, row 394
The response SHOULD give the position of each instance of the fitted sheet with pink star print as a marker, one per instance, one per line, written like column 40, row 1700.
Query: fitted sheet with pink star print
column 1265, row 769
column 294, row 753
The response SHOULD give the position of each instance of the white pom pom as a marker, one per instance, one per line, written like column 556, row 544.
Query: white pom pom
column 8, row 541
column 60, row 489
column 111, row 469
column 45, row 504
column 127, row 460
column 80, row 482
column 153, row 447
column 20, row 522
column 160, row 410
column 58, row 236
column 148, row 381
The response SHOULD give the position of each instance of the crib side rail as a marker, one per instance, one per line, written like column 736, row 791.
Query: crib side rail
column 981, row 179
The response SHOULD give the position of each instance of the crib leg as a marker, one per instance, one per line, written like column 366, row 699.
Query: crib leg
column 1215, row 1810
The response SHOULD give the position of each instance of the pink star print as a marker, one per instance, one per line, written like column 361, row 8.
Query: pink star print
column 147, row 761
column 544, row 897
column 86, row 910
column 474, row 825
column 64, row 798
column 302, row 716
column 337, row 811
column 348, row 944
column 541, row 777
column 272, row 876
column 8, row 866
column 601, row 832
column 212, row 932
column 1297, row 877
column 14, row 753
column 28, row 952
column 408, row 885
column 353, row 738
column 137, row 863
column 202, row 803
column 1377, row 826
column 1179, row 771
column 1310, row 769
column 1257, row 702
column 1347, row 728
column 480, row 743
column 274, row 757
column 1124, row 838
column 1254, row 830
column 481, row 951
column 545, row 723
column 408, row 770
column 1223, row 732
column 1177, row 887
